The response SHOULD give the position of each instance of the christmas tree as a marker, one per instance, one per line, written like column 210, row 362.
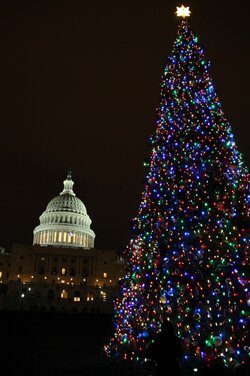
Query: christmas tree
column 188, row 257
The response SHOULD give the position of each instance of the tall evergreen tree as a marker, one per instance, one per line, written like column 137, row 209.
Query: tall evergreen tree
column 188, row 258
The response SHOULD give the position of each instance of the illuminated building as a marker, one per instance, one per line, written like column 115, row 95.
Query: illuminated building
column 61, row 271
column 65, row 221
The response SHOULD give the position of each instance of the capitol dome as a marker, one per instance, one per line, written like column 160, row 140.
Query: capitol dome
column 65, row 221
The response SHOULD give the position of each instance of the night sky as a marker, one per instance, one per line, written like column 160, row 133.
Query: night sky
column 79, row 84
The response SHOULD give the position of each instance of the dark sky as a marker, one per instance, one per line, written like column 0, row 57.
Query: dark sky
column 79, row 84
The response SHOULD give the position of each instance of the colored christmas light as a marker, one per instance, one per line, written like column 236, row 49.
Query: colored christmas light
column 188, row 257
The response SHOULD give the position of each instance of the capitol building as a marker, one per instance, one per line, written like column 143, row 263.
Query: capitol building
column 65, row 221
column 62, row 270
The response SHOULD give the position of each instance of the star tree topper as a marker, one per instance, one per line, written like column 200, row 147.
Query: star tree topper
column 183, row 11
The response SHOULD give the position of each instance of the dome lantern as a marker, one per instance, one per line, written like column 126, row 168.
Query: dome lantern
column 68, row 185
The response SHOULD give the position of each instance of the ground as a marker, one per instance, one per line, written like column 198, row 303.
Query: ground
column 45, row 343
column 53, row 344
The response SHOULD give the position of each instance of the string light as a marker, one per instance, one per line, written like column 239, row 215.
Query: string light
column 188, row 257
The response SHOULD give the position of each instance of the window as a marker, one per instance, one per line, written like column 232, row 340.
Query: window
column 63, row 271
column 70, row 237
column 41, row 269
column 90, row 296
column 43, row 237
column 1, row 274
column 54, row 270
column 64, row 294
column 85, row 273
column 103, row 296
column 77, row 296
column 105, row 275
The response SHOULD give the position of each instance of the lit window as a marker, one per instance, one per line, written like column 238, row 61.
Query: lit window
column 65, row 236
column 103, row 296
column 77, row 298
column 60, row 236
column 63, row 272
column 1, row 274
column 90, row 297
column 105, row 275
column 70, row 235
column 64, row 294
